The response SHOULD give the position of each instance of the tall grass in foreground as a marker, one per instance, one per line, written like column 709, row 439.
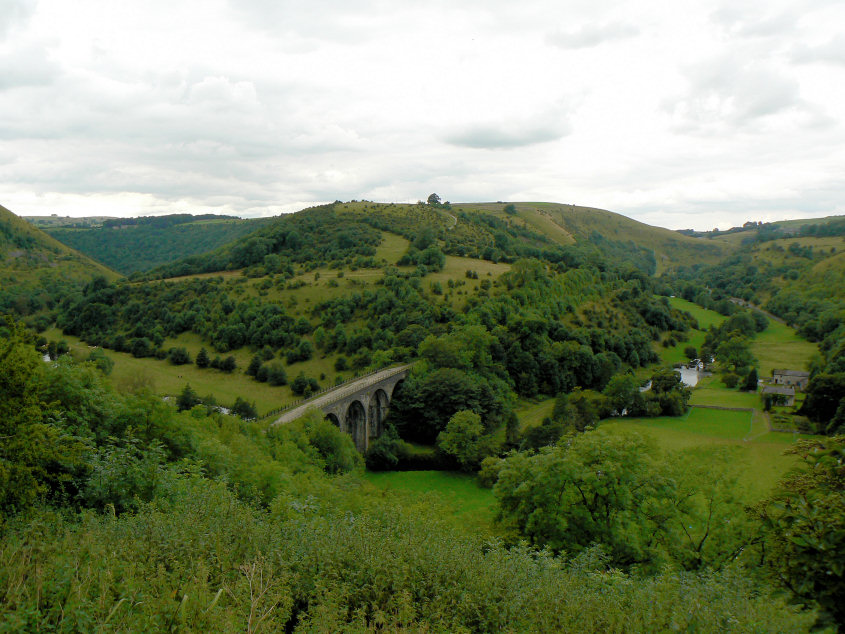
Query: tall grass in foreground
column 199, row 559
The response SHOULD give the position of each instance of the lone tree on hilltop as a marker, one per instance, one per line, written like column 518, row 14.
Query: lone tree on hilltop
column 433, row 199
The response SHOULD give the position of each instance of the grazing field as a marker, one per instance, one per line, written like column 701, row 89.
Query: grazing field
column 471, row 506
column 166, row 379
column 392, row 247
column 705, row 317
column 779, row 346
column 757, row 453
column 531, row 412
column 676, row 354
column 711, row 391
column 695, row 338
column 714, row 423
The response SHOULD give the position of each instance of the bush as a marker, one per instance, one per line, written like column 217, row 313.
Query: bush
column 751, row 381
column 254, row 365
column 244, row 409
column 387, row 451
column 187, row 399
column 202, row 359
column 730, row 379
column 276, row 374
column 102, row 362
column 304, row 386
column 178, row 356
column 228, row 364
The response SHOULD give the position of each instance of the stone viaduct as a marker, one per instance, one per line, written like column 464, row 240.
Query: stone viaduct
column 358, row 407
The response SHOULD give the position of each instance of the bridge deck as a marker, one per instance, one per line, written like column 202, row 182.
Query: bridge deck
column 339, row 393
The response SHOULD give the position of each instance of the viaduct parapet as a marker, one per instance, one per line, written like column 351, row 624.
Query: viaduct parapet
column 358, row 407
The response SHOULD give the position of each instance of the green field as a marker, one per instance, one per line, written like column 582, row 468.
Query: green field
column 698, row 421
column 711, row 391
column 758, row 453
column 166, row 379
column 706, row 318
column 695, row 338
column 676, row 354
column 471, row 506
column 532, row 412
column 779, row 346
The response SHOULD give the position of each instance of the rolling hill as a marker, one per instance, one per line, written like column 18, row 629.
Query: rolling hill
column 36, row 269
column 139, row 244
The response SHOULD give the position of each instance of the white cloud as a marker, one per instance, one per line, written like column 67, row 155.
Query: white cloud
column 673, row 112
column 832, row 51
column 591, row 35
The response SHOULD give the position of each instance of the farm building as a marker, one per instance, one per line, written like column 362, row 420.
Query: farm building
column 793, row 378
column 780, row 395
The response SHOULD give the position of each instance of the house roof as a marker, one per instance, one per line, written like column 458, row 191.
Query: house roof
column 779, row 389
column 800, row 373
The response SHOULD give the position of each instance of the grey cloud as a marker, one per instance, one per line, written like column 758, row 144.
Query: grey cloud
column 13, row 13
column 591, row 35
column 832, row 52
column 746, row 21
column 511, row 134
column 298, row 22
column 728, row 92
column 26, row 67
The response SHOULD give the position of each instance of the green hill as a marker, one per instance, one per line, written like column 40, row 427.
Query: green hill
column 566, row 224
column 487, row 231
column 36, row 269
column 139, row 244
column 528, row 326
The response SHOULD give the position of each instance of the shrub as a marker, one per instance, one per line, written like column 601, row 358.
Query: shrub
column 178, row 356
column 202, row 359
column 244, row 409
column 730, row 379
column 228, row 364
column 276, row 374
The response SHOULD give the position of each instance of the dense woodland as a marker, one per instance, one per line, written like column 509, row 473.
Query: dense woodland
column 122, row 510
column 130, row 245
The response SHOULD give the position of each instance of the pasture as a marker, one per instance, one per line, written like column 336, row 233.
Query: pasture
column 163, row 378
column 705, row 317
column 459, row 495
column 757, row 453
column 779, row 346
column 711, row 391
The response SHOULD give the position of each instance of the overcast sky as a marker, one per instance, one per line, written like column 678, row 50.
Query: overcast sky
column 679, row 114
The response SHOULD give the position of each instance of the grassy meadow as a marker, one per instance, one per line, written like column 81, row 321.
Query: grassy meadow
column 711, row 391
column 458, row 494
column 167, row 379
column 757, row 453
column 705, row 317
column 532, row 412
column 779, row 346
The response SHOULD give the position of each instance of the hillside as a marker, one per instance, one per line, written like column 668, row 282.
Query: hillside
column 598, row 225
column 54, row 220
column 542, row 224
column 36, row 269
column 139, row 244
column 530, row 339
column 800, row 279
column 490, row 231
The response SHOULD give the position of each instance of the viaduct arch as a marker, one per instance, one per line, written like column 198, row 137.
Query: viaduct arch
column 358, row 407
